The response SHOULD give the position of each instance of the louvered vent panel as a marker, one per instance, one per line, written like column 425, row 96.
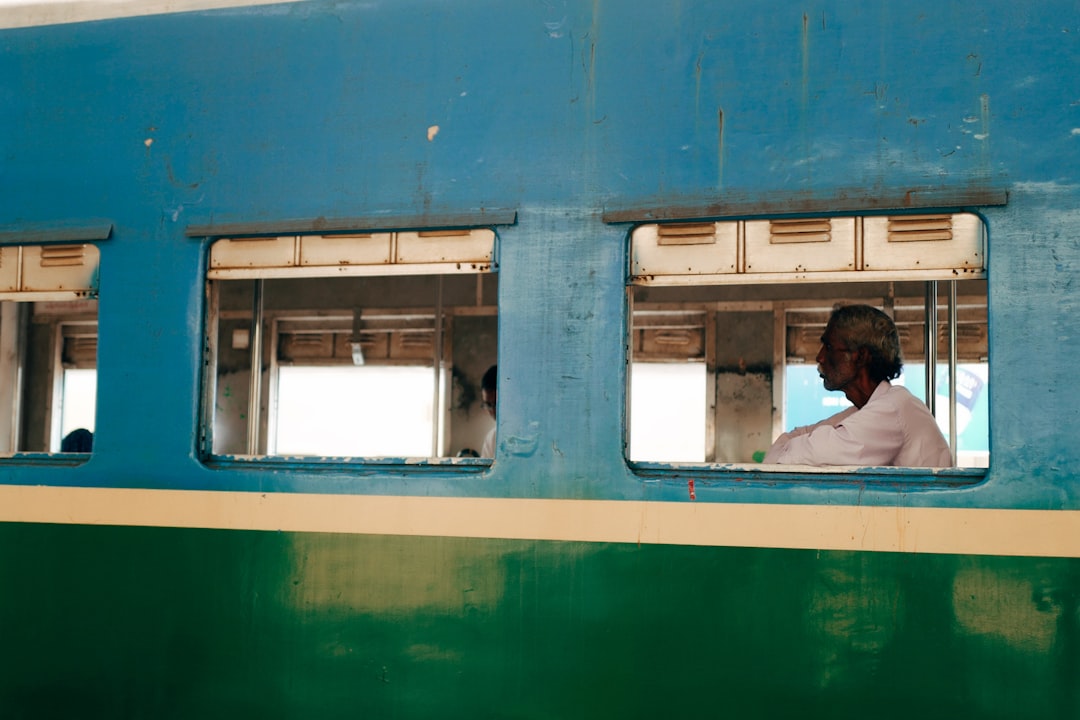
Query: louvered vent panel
column 415, row 340
column 914, row 228
column 80, row 351
column 442, row 233
column 673, row 337
column 699, row 248
column 60, row 268
column 800, row 245
column 669, row 334
column 354, row 254
column 279, row 252
column 674, row 344
column 308, row 340
column 308, row 345
column 62, row 256
column 929, row 245
column 345, row 250
column 389, row 336
column 473, row 248
column 686, row 234
column 411, row 345
column 803, row 343
column 376, row 346
column 803, row 230
column 952, row 243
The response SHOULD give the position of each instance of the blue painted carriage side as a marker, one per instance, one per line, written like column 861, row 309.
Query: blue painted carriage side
column 561, row 112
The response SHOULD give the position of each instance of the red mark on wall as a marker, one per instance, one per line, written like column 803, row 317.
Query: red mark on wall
column 690, row 486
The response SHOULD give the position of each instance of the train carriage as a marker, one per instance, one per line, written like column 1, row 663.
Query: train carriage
column 255, row 260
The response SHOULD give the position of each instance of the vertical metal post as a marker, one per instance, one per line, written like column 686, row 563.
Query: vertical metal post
column 779, row 373
column 11, row 350
column 55, row 412
column 437, row 392
column 255, row 393
column 953, row 354
column 212, row 351
column 711, row 389
column 931, row 345
column 630, row 337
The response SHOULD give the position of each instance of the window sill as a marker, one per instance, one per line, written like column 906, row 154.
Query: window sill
column 786, row 475
column 361, row 466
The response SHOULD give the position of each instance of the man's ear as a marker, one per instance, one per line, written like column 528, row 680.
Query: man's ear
column 862, row 357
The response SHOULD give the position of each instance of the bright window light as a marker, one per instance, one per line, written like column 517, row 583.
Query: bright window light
column 667, row 412
column 354, row 411
column 808, row 402
column 80, row 392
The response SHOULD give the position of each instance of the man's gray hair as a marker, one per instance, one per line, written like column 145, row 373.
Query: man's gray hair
column 863, row 326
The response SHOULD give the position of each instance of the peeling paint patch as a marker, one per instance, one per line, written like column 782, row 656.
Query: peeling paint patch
column 555, row 29
column 1075, row 131
column 1044, row 188
column 432, row 131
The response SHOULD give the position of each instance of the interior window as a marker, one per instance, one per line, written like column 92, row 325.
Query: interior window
column 328, row 411
column 363, row 345
column 48, row 348
column 748, row 301
column 79, row 396
column 806, row 401
column 668, row 411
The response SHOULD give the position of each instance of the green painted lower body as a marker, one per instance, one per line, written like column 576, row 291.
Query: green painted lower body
column 169, row 623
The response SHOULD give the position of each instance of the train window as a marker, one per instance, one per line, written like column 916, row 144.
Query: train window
column 745, row 303
column 667, row 409
column 48, row 348
column 365, row 345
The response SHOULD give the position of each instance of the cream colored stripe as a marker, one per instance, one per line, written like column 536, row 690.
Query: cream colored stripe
column 27, row 13
column 826, row 527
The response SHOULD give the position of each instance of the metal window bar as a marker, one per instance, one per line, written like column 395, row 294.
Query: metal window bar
column 437, row 352
column 255, row 399
column 930, row 326
column 953, row 353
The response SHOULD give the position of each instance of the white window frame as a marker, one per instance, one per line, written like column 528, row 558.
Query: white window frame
column 435, row 252
column 929, row 247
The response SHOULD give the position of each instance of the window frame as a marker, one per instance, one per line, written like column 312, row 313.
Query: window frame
column 736, row 271
column 421, row 262
column 50, row 277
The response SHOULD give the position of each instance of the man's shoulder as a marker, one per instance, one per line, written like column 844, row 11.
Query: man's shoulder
column 904, row 400
column 904, row 392
column 894, row 392
column 897, row 397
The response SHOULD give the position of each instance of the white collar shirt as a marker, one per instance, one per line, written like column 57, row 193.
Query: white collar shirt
column 893, row 428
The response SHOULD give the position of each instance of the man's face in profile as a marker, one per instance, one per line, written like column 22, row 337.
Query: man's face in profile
column 836, row 361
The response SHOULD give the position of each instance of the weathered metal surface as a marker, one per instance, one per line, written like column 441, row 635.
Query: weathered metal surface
column 467, row 219
column 33, row 233
column 584, row 118
column 840, row 200
column 170, row 623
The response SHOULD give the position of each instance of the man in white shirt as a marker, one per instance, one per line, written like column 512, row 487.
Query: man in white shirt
column 860, row 354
